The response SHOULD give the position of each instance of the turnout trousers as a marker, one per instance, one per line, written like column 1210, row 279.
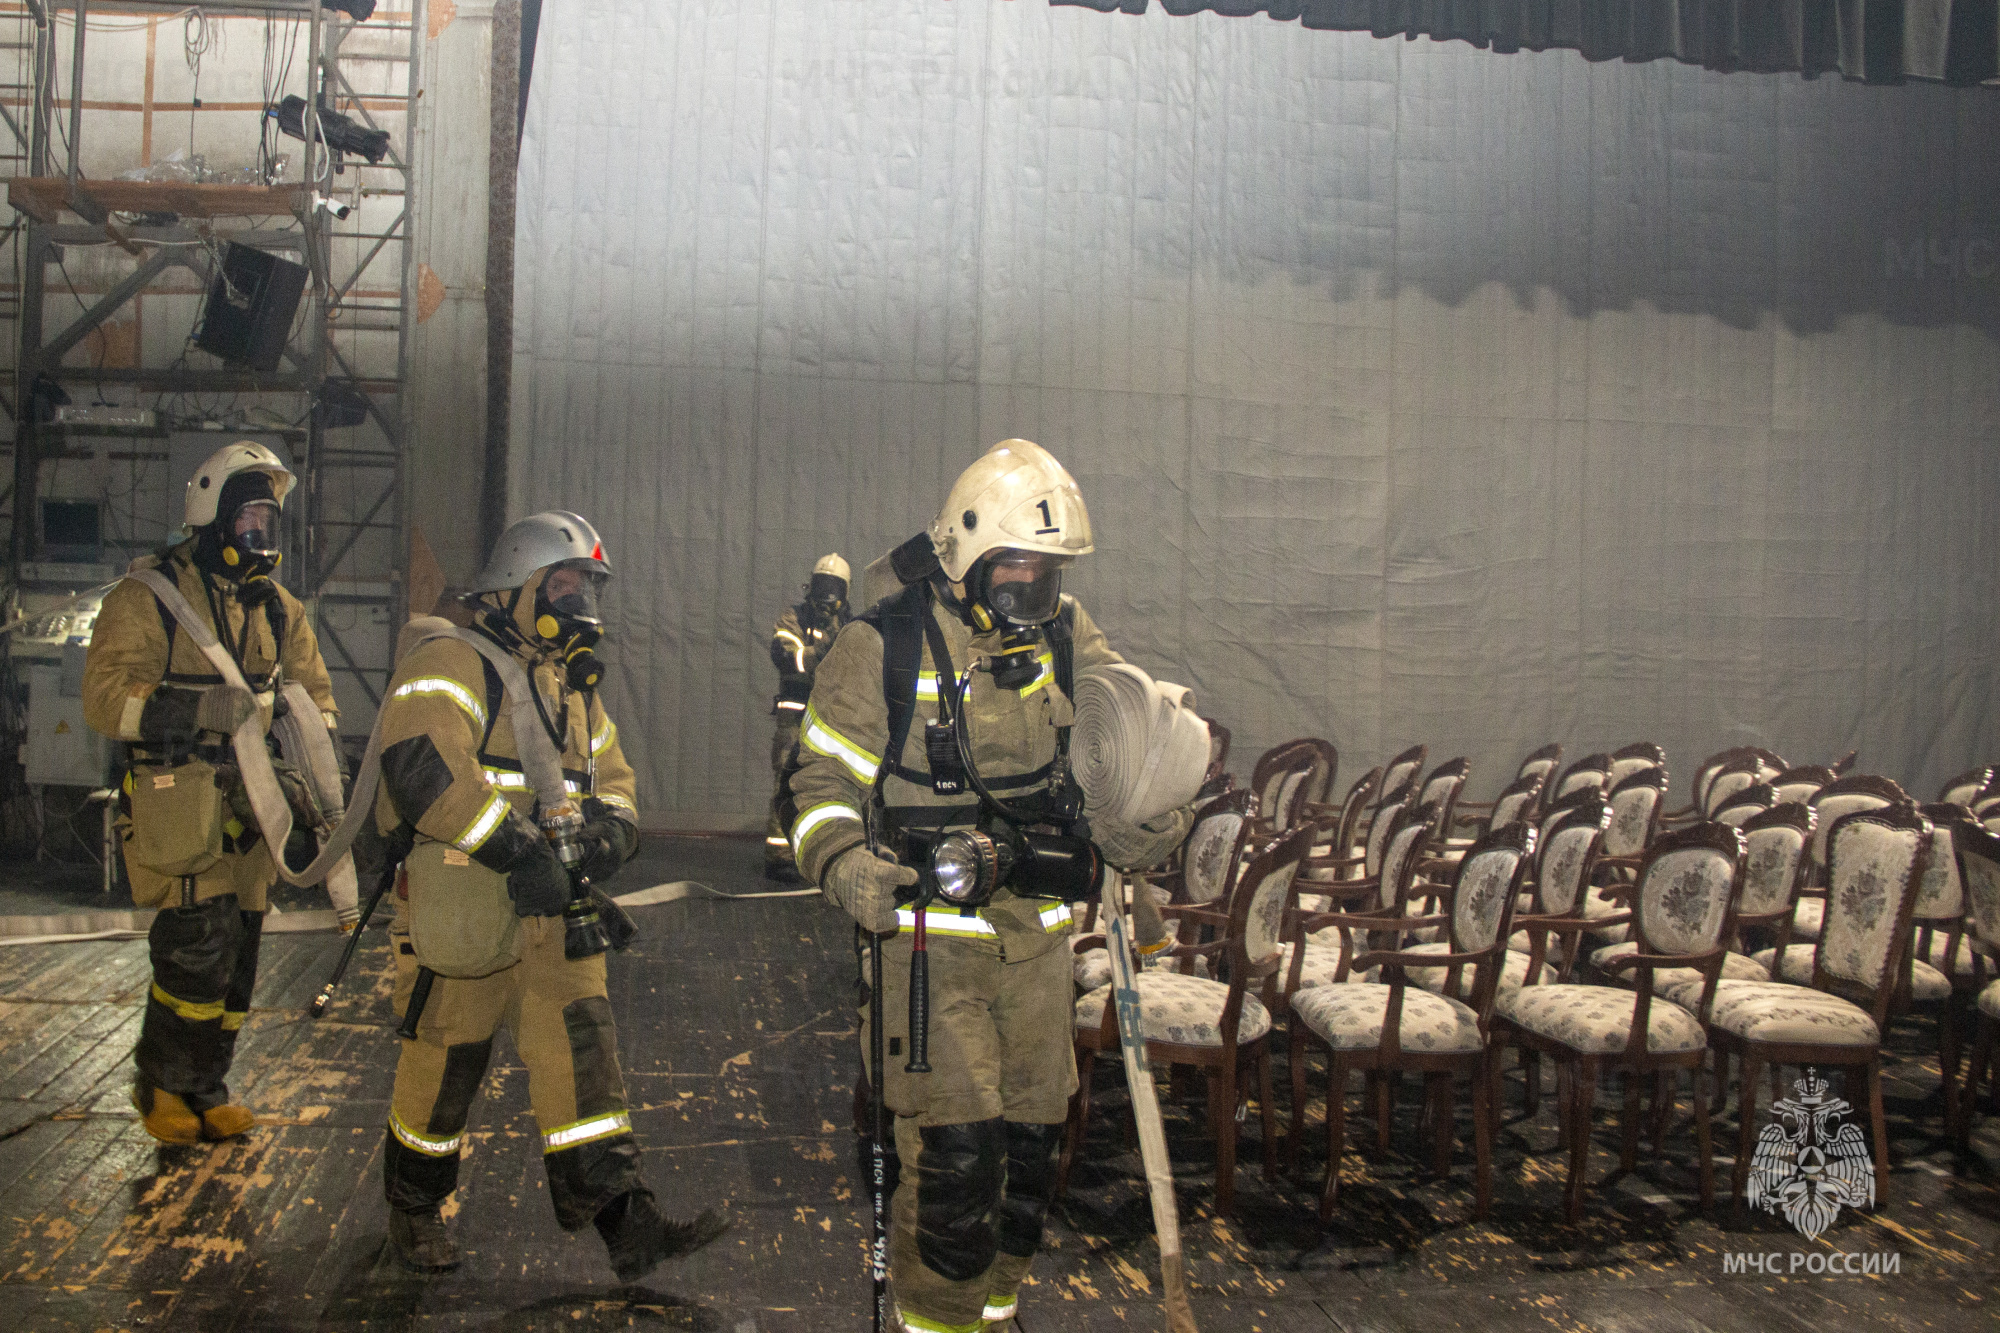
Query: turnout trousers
column 556, row 1010
column 778, row 822
column 978, row 1135
column 204, row 958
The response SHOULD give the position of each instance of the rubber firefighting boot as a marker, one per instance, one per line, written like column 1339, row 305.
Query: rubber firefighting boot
column 639, row 1238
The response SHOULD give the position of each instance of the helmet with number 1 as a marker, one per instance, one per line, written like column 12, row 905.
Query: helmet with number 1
column 1015, row 507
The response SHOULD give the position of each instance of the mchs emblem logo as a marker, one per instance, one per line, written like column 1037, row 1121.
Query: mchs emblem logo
column 1808, row 1163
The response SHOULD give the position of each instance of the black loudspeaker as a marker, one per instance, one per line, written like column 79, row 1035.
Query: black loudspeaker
column 248, row 318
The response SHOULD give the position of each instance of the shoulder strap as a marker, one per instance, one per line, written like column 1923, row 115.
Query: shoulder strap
column 1062, row 642
column 539, row 759
column 900, row 621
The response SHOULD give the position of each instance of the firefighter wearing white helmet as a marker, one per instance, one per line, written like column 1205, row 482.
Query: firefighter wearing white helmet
column 955, row 775
column 798, row 641
column 456, row 788
column 192, row 847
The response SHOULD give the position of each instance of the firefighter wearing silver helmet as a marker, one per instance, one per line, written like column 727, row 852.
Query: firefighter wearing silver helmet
column 453, row 780
column 977, row 1135
column 798, row 641
column 201, row 860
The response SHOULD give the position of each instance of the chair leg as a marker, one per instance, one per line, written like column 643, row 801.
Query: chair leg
column 1703, row 1141
column 1296, row 1062
column 1948, row 1057
column 1222, row 1124
column 1721, row 1080
column 1266, row 1113
column 1079, row 1114
column 1531, row 1073
column 1441, row 1127
column 1628, row 1150
column 1385, row 1102
column 1666, row 1086
column 1975, row 1074
column 1746, row 1124
column 1483, row 1115
column 1583, row 1089
column 1879, row 1125
column 1336, row 1134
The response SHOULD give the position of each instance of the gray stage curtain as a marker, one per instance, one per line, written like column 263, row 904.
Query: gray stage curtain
column 1875, row 41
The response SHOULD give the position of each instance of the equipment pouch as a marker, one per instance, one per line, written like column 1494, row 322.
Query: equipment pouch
column 177, row 817
column 941, row 754
column 462, row 922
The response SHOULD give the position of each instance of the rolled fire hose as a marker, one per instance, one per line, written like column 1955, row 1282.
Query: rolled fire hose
column 1138, row 748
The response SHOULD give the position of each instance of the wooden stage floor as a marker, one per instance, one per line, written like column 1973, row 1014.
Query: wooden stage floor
column 737, row 1031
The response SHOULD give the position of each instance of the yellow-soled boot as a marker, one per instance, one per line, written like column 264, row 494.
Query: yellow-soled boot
column 166, row 1117
column 225, row 1122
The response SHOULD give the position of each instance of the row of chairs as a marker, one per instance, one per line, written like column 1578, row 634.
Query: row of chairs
column 1386, row 944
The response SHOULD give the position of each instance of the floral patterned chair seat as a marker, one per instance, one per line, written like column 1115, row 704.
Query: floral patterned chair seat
column 1772, row 1011
column 1186, row 1011
column 1598, row 1019
column 1349, row 1017
column 1926, row 982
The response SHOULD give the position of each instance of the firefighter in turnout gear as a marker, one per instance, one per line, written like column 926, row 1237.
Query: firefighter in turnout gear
column 192, row 846
column 455, row 772
column 947, row 765
column 798, row 641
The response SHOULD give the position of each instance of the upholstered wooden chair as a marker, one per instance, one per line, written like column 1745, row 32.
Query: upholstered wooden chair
column 1860, row 968
column 1389, row 1026
column 1682, row 915
column 1962, row 789
column 1978, row 851
column 1844, row 765
column 1699, row 806
column 1441, row 790
column 1838, row 798
column 1221, row 1028
column 1477, row 815
column 1634, row 758
column 1403, row 767
column 1289, row 777
column 1368, row 862
column 1745, row 805
column 1217, row 779
column 1384, row 897
column 1515, row 802
column 1590, row 771
column 1801, row 783
column 1205, row 875
column 1342, row 824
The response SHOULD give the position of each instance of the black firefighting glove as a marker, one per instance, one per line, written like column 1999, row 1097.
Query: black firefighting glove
column 537, row 882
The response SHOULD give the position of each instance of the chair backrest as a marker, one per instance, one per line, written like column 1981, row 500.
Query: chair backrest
column 1802, row 783
column 1401, row 854
column 1635, row 812
column 1383, row 823
column 1282, row 780
column 1774, row 859
column 1713, row 765
column 1357, row 799
column 1962, row 789
column 1586, row 798
column 1978, row 852
column 1485, row 886
column 1540, row 763
column 1215, row 847
column 1747, row 804
column 1773, row 763
column 1257, row 907
column 1941, row 894
column 1845, row 796
column 1875, row 861
column 1565, row 853
column 1402, row 768
column 1516, row 802
column 1589, row 771
column 1842, row 765
column 1725, row 783
column 1634, row 758
column 1685, row 899
column 1441, row 790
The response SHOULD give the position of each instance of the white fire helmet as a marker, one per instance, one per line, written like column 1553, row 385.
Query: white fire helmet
column 204, row 488
column 1016, row 497
column 832, row 564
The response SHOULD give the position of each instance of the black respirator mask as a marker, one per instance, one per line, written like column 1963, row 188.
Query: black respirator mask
column 1019, row 591
column 243, row 544
column 571, row 623
column 826, row 598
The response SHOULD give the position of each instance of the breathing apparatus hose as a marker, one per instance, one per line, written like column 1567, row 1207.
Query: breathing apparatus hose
column 964, row 739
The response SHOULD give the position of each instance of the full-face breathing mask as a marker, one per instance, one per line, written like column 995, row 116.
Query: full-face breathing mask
column 1018, row 591
column 569, row 620
column 826, row 599
column 243, row 543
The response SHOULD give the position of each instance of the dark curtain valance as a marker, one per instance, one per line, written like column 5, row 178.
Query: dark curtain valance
column 1875, row 41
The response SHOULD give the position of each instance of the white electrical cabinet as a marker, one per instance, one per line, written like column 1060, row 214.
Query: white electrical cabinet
column 62, row 751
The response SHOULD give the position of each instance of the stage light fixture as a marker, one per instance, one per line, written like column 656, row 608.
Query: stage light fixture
column 335, row 130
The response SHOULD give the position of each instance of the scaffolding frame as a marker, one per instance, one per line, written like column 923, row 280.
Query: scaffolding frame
column 370, row 472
